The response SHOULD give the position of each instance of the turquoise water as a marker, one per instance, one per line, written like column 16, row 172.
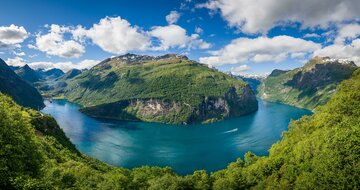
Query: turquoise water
column 184, row 148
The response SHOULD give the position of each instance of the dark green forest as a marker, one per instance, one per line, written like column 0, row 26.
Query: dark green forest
column 318, row 152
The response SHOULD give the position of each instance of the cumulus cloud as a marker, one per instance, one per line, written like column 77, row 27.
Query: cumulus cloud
column 11, row 36
column 348, row 32
column 240, row 69
column 172, row 17
column 16, row 61
column 53, row 43
column 4, row 46
column 258, row 16
column 115, row 35
column 175, row 36
column 261, row 49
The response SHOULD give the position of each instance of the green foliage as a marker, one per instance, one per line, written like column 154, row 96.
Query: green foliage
column 318, row 152
column 309, row 86
column 168, row 79
column 18, row 154
column 112, row 88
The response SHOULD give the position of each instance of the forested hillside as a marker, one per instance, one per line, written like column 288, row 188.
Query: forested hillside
column 166, row 89
column 309, row 86
column 318, row 152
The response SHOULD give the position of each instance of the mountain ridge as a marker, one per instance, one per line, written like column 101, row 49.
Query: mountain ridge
column 308, row 86
column 21, row 91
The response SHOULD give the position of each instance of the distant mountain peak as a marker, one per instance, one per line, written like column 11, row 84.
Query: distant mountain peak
column 26, row 66
column 132, row 58
column 277, row 72
column 172, row 55
column 341, row 61
column 328, row 60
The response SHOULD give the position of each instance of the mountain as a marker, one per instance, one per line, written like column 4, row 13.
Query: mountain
column 27, row 74
column 55, row 82
column 318, row 152
column 22, row 92
column 50, row 74
column 167, row 89
column 69, row 75
column 253, row 80
column 309, row 86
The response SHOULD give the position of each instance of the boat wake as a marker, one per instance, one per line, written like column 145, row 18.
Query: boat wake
column 231, row 131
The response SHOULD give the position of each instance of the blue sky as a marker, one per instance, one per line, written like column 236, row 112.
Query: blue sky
column 241, row 36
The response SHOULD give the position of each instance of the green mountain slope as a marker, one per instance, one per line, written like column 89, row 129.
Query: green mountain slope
column 53, row 86
column 22, row 92
column 318, row 152
column 168, row 89
column 69, row 75
column 309, row 86
column 27, row 74
column 253, row 82
column 50, row 74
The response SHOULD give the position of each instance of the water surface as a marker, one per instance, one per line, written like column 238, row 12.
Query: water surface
column 184, row 148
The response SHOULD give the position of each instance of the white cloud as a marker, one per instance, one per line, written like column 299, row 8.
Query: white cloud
column 19, row 53
column 172, row 17
column 298, row 55
column 11, row 36
column 311, row 35
column 116, row 35
column 346, row 44
column 4, row 46
column 199, row 30
column 53, row 43
column 348, row 32
column 16, row 61
column 175, row 36
column 261, row 49
column 240, row 69
column 253, row 16
column 350, row 51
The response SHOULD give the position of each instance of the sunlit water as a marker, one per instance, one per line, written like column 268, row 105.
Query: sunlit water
column 184, row 148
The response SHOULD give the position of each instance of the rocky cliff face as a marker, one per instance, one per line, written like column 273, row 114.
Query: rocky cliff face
column 232, row 105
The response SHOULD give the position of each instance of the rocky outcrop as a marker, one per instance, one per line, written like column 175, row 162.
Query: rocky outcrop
column 232, row 105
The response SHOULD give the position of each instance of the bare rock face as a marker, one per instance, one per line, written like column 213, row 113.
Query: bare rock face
column 232, row 105
column 153, row 108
